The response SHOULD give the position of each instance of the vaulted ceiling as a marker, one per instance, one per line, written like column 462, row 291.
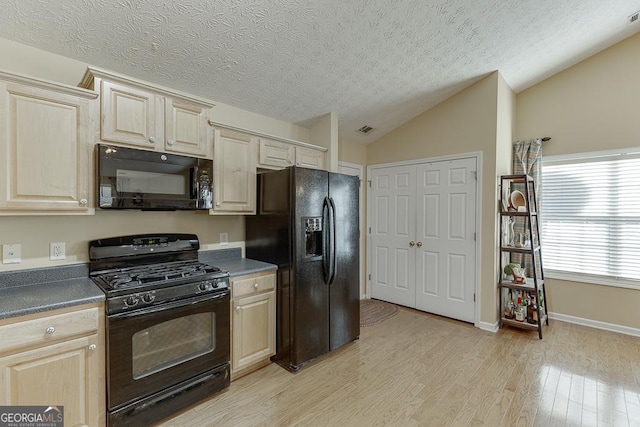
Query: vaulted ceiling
column 374, row 62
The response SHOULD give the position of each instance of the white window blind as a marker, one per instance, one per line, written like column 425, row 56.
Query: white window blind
column 590, row 217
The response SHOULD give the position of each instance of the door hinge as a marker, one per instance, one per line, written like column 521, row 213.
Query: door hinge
column 474, row 236
column 369, row 181
column 475, row 174
column 369, row 276
column 474, row 297
column 369, row 230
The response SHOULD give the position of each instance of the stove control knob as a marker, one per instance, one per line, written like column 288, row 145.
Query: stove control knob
column 148, row 298
column 216, row 283
column 205, row 286
column 131, row 301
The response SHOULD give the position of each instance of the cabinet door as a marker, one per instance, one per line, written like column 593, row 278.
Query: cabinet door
column 309, row 158
column 45, row 150
column 128, row 115
column 69, row 374
column 275, row 154
column 253, row 337
column 234, row 170
column 186, row 128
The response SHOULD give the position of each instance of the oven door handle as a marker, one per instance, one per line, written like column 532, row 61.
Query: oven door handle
column 171, row 306
column 184, row 389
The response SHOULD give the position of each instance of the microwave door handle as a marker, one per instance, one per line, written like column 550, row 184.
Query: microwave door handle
column 195, row 191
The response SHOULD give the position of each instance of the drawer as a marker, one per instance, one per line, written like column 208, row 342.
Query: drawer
column 252, row 284
column 48, row 329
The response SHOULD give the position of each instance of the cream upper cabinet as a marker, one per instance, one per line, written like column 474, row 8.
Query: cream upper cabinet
column 310, row 158
column 186, row 129
column 253, row 322
column 58, row 360
column 46, row 139
column 234, row 172
column 128, row 115
column 143, row 115
column 275, row 154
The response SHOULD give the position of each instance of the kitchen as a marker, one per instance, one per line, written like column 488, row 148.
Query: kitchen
column 35, row 233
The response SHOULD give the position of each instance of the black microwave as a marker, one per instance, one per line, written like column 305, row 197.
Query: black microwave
column 148, row 180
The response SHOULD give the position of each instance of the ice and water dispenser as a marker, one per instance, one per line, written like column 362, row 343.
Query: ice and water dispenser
column 313, row 237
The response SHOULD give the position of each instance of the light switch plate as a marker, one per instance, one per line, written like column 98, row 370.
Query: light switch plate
column 11, row 253
column 224, row 239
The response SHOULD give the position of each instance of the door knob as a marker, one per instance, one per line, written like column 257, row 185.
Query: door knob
column 152, row 140
column 419, row 244
column 170, row 142
column 92, row 347
column 412, row 243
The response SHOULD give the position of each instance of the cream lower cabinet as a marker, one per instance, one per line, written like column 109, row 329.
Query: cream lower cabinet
column 135, row 113
column 234, row 172
column 253, row 322
column 56, row 359
column 280, row 154
column 46, row 139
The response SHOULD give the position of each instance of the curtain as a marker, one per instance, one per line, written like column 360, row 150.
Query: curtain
column 527, row 159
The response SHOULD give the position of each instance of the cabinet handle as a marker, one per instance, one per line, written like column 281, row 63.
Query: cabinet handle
column 237, row 308
column 217, row 204
column 83, row 201
column 93, row 347
column 170, row 142
column 50, row 330
column 255, row 285
column 412, row 244
column 419, row 244
column 152, row 139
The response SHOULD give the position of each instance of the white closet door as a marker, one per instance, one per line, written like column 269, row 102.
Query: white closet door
column 392, row 225
column 445, row 260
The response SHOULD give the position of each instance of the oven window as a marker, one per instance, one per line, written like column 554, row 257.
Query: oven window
column 173, row 342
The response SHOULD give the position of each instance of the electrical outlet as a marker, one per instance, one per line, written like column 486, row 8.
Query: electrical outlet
column 224, row 239
column 11, row 253
column 56, row 251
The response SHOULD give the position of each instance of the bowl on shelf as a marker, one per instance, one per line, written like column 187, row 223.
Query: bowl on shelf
column 517, row 200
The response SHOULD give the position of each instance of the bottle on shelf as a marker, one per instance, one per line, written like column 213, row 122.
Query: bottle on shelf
column 520, row 311
column 532, row 311
column 509, row 311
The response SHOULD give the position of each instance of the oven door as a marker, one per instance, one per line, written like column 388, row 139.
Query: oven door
column 152, row 349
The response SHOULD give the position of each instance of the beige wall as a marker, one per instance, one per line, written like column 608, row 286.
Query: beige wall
column 35, row 233
column 464, row 123
column 592, row 106
column 352, row 152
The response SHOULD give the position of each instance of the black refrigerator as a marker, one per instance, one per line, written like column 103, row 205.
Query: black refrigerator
column 307, row 224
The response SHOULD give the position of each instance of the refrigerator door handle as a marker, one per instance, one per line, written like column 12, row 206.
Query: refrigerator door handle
column 332, row 243
column 326, row 268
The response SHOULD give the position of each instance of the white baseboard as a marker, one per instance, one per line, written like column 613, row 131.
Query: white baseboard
column 489, row 327
column 595, row 324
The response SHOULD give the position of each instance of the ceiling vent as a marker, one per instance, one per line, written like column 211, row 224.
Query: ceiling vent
column 365, row 129
column 634, row 18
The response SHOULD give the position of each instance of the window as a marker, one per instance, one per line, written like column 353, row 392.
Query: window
column 590, row 218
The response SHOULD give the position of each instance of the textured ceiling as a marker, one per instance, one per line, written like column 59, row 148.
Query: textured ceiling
column 374, row 62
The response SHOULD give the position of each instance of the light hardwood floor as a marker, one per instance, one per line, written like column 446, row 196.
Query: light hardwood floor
column 417, row 369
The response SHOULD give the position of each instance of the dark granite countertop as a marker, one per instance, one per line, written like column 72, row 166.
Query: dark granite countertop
column 31, row 291
column 231, row 260
column 38, row 290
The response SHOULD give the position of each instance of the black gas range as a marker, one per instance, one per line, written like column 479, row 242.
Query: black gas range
column 168, row 331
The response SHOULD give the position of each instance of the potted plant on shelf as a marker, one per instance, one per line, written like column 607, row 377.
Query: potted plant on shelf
column 516, row 271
